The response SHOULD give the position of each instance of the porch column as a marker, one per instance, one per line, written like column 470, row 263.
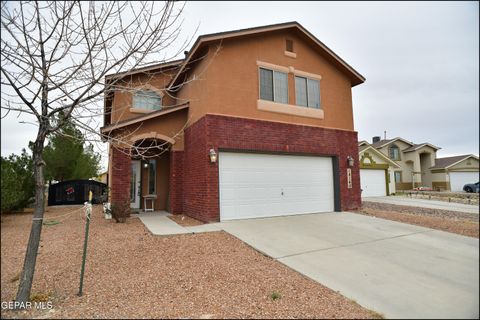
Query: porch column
column 121, row 175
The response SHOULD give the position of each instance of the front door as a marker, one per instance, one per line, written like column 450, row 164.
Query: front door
column 135, row 191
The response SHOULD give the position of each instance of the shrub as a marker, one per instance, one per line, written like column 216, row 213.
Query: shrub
column 18, row 184
column 121, row 211
column 275, row 295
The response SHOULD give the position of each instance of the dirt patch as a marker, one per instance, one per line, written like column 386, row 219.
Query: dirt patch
column 133, row 274
column 185, row 221
column 466, row 224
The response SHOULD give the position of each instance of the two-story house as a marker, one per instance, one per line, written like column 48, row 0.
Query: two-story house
column 252, row 123
column 414, row 161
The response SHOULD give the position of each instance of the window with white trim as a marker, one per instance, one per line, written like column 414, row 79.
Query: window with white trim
column 394, row 152
column 147, row 99
column 273, row 85
column 307, row 92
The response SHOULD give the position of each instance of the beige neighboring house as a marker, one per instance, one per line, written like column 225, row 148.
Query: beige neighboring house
column 452, row 173
column 102, row 177
column 414, row 161
column 376, row 171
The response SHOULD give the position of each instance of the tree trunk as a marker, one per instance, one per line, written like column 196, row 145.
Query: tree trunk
column 26, row 279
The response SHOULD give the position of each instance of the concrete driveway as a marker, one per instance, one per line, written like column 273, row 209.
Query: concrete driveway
column 400, row 270
column 424, row 203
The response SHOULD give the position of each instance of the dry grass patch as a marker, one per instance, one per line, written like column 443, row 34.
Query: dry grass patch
column 466, row 224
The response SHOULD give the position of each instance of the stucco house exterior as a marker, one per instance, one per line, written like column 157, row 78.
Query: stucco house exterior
column 415, row 161
column 376, row 171
column 251, row 123
column 452, row 173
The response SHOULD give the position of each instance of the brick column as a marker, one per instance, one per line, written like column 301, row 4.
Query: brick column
column 176, row 182
column 121, row 175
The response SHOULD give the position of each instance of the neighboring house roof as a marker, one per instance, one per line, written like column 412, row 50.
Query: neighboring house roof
column 382, row 143
column 355, row 77
column 363, row 142
column 447, row 162
column 418, row 146
column 370, row 148
column 144, row 117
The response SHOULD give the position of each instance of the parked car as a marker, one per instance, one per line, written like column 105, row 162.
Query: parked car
column 471, row 187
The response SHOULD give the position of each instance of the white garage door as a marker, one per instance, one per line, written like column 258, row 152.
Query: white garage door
column 373, row 183
column 264, row 185
column 459, row 179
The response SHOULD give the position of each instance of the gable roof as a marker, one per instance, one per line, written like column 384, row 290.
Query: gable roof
column 355, row 77
column 447, row 162
column 418, row 146
column 364, row 148
column 382, row 143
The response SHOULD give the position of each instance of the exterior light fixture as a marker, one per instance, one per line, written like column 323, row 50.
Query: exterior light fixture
column 213, row 156
column 145, row 164
column 350, row 161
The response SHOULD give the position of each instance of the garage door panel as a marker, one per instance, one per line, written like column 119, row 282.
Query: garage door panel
column 459, row 179
column 251, row 185
column 373, row 183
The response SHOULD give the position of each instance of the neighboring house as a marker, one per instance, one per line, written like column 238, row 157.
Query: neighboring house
column 252, row 123
column 102, row 177
column 376, row 171
column 415, row 161
column 452, row 173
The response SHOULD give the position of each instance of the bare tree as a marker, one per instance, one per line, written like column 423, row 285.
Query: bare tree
column 54, row 59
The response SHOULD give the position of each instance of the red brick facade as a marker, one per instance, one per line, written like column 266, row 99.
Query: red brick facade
column 200, row 185
column 121, row 175
column 193, row 179
column 176, row 182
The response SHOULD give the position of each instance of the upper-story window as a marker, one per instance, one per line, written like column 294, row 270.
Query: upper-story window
column 394, row 152
column 273, row 85
column 307, row 92
column 147, row 99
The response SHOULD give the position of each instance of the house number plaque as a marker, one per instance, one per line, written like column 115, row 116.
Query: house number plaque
column 349, row 178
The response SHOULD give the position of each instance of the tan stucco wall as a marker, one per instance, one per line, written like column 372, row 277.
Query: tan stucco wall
column 170, row 125
column 229, row 81
column 379, row 160
column 405, row 168
column 464, row 166
column 123, row 97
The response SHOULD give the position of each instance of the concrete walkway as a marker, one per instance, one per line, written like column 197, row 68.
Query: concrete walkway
column 397, row 269
column 424, row 203
column 159, row 224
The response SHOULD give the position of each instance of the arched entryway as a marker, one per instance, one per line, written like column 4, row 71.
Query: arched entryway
column 150, row 171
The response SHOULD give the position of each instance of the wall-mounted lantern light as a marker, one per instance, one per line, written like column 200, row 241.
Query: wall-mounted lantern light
column 350, row 161
column 213, row 156
column 145, row 164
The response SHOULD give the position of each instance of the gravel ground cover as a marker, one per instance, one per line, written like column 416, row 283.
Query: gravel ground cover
column 185, row 221
column 133, row 274
column 463, row 223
